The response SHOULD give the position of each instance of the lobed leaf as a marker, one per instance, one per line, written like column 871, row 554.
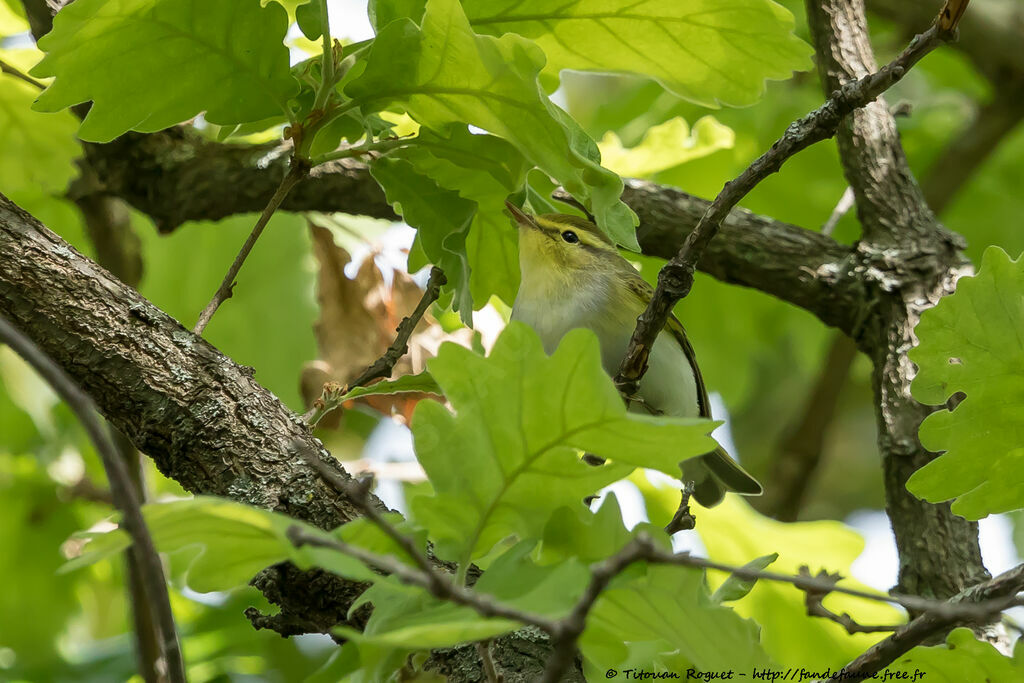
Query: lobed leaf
column 483, row 169
column 670, row 608
column 665, row 146
column 961, row 658
column 973, row 342
column 519, row 416
column 442, row 219
column 443, row 73
column 149, row 64
column 707, row 51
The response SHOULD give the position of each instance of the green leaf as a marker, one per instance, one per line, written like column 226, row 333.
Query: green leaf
column 519, row 415
column 665, row 146
column 441, row 218
column 962, row 658
column 704, row 50
column 218, row 544
column 973, row 342
column 483, row 169
column 444, row 73
column 734, row 533
column 421, row 383
column 736, row 587
column 419, row 621
column 37, row 150
column 98, row 546
column 309, row 20
column 671, row 605
column 227, row 59
column 589, row 536
column 11, row 21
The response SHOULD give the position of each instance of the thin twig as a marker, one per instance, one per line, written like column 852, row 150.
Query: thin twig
column 383, row 366
column 813, row 599
column 843, row 207
column 565, row 632
column 676, row 277
column 146, row 557
column 1002, row 589
column 360, row 150
column 683, row 519
column 296, row 173
column 8, row 68
column 437, row 584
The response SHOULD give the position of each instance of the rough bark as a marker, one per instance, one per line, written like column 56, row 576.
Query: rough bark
column 916, row 262
column 202, row 418
column 205, row 421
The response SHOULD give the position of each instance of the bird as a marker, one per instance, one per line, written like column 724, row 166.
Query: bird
column 574, row 276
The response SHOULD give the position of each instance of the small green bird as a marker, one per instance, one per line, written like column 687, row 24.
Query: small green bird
column 573, row 276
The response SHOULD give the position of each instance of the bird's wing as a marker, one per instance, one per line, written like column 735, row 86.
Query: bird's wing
column 639, row 287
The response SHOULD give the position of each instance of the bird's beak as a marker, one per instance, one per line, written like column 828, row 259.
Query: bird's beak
column 523, row 219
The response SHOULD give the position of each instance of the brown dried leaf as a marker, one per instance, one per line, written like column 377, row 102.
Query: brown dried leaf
column 357, row 323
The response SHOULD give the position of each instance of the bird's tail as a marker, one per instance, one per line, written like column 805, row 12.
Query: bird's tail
column 716, row 473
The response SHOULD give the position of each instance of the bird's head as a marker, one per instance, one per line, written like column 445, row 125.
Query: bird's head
column 552, row 243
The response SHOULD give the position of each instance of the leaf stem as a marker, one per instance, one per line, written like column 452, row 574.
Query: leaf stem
column 327, row 60
column 358, row 150
column 19, row 74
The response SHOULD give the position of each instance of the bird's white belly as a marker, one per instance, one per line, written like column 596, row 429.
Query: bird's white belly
column 668, row 386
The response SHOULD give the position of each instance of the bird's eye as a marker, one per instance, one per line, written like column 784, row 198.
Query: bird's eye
column 570, row 237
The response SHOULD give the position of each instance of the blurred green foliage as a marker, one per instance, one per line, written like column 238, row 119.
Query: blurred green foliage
column 760, row 354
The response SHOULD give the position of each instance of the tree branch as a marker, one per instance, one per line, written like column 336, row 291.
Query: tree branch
column 296, row 172
column 146, row 559
column 202, row 418
column 931, row 624
column 676, row 277
column 915, row 262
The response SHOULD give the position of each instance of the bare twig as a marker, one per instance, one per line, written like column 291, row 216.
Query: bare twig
column 816, row 608
column 683, row 519
column 383, row 366
column 145, row 554
column 565, row 632
column 296, row 173
column 843, row 207
column 434, row 582
column 1001, row 589
column 19, row 74
column 676, row 277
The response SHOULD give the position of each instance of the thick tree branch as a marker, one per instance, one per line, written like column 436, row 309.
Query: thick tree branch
column 202, row 418
column 175, row 176
column 916, row 263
